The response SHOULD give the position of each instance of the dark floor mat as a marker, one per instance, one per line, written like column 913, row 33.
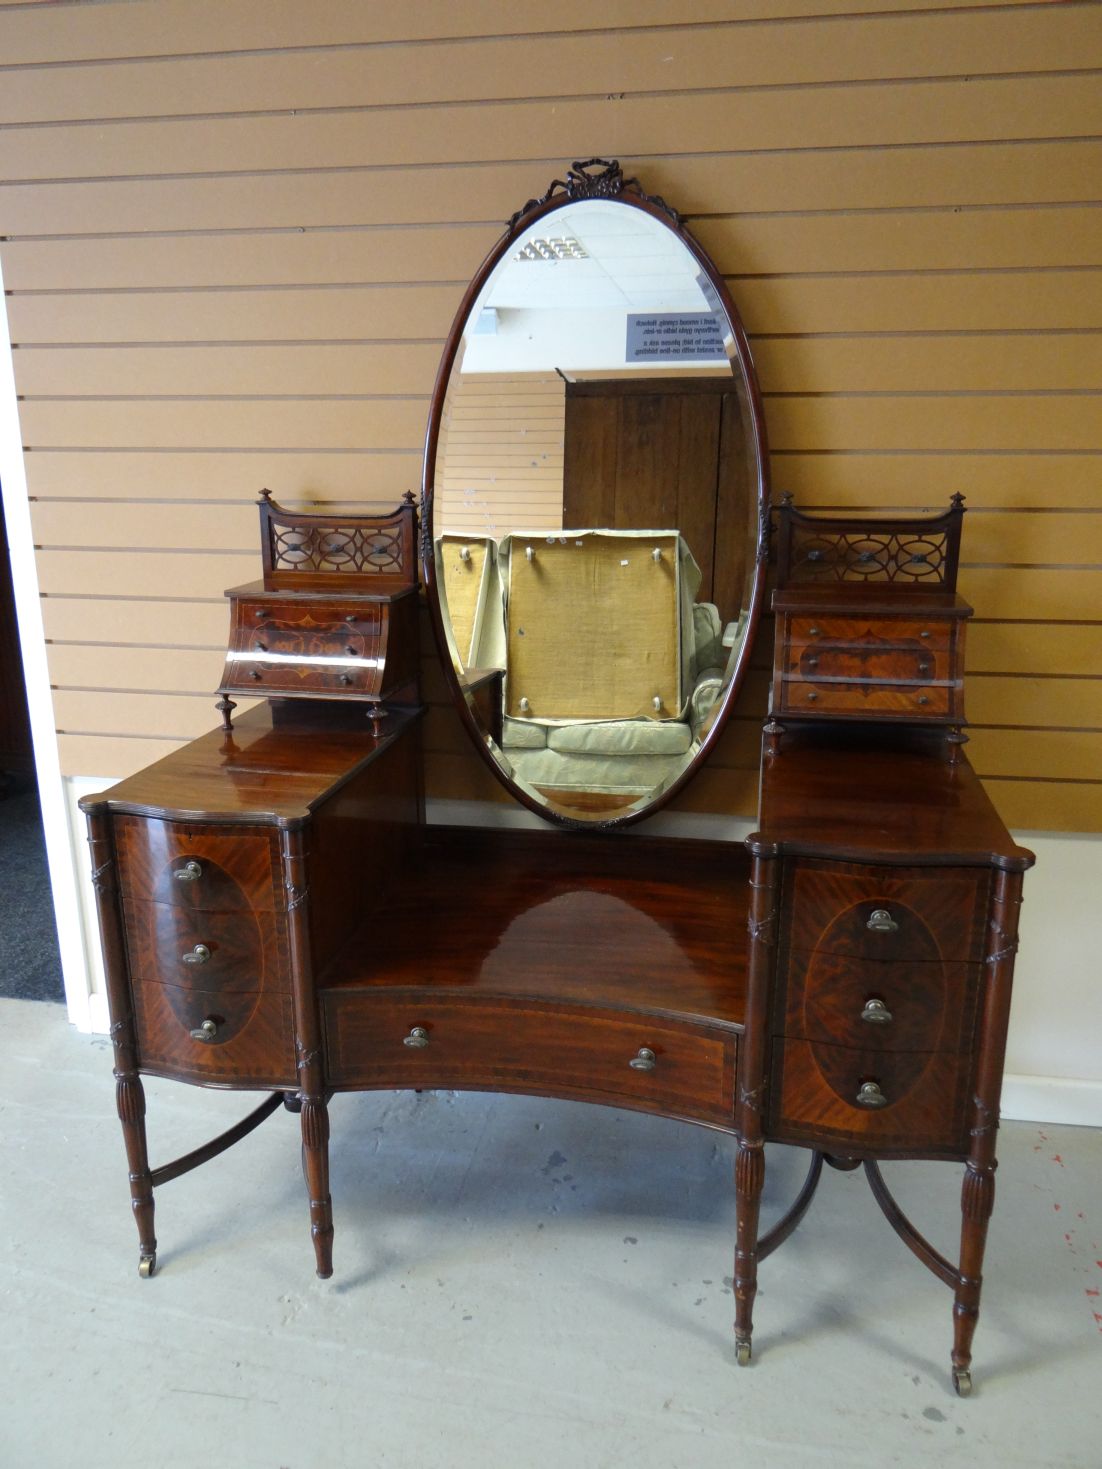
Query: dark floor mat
column 30, row 965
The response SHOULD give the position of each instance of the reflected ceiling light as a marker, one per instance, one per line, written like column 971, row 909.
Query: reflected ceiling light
column 561, row 247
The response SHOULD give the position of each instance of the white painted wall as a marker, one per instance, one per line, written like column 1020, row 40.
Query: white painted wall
column 65, row 861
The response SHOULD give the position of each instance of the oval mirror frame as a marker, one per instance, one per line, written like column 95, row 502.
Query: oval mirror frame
column 600, row 179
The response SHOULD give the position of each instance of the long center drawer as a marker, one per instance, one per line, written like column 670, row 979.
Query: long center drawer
column 420, row 1038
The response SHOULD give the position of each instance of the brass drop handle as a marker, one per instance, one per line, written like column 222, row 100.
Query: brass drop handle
column 869, row 1095
column 643, row 1060
column 813, row 632
column 923, row 698
column 188, row 872
column 812, row 696
column 205, row 1032
column 253, row 674
column 259, row 647
column 417, row 1039
column 199, row 955
column 876, row 1013
column 344, row 678
column 881, row 921
column 812, row 662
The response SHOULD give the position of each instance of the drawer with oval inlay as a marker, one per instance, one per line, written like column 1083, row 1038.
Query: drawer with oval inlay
column 215, row 1035
column 420, row 1038
column 204, row 867
column 841, row 1097
column 908, row 1005
column 234, row 952
column 925, row 914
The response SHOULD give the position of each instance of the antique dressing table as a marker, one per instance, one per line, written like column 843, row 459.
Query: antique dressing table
column 277, row 916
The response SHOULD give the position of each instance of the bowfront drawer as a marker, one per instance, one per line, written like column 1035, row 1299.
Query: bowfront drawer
column 874, row 632
column 237, row 951
column 321, row 646
column 914, row 914
column 424, row 1039
column 843, row 1096
column 802, row 696
column 878, row 1006
column 219, row 868
column 215, row 1035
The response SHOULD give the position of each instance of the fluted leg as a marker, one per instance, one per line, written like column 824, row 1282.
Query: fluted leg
column 749, row 1178
column 130, row 1102
column 315, row 1159
column 977, row 1200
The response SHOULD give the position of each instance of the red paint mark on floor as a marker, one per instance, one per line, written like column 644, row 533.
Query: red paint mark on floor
column 1057, row 1207
column 1093, row 1290
column 1067, row 1236
column 1057, row 1159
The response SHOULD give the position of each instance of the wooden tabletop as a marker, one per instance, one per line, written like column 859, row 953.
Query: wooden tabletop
column 271, row 769
column 882, row 798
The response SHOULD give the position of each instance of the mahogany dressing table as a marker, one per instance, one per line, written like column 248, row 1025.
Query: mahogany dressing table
column 276, row 915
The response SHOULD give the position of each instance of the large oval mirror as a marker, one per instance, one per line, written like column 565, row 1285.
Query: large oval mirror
column 595, row 502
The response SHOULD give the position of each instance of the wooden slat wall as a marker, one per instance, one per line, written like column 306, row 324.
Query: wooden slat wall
column 501, row 448
column 234, row 236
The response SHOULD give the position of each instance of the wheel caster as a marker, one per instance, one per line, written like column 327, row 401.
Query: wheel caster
column 962, row 1381
column 742, row 1353
column 146, row 1266
column 292, row 1101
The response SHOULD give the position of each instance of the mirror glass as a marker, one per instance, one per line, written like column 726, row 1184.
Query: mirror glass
column 593, row 507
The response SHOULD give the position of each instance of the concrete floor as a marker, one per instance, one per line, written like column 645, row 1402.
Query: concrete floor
column 519, row 1284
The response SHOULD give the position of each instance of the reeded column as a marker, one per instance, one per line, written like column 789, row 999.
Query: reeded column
column 750, row 1161
column 311, row 1076
column 977, row 1199
column 129, row 1093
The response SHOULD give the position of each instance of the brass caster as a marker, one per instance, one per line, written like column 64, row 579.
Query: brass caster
column 146, row 1266
column 962, row 1381
column 742, row 1353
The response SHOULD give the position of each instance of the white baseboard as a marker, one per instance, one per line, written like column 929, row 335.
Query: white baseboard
column 1052, row 1099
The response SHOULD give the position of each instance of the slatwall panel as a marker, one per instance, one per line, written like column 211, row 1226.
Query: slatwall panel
column 234, row 236
column 501, row 445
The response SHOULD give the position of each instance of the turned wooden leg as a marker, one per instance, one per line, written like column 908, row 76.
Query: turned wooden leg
column 315, row 1159
column 130, row 1102
column 977, row 1200
column 749, row 1178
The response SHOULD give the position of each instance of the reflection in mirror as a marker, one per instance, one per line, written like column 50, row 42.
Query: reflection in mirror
column 596, row 507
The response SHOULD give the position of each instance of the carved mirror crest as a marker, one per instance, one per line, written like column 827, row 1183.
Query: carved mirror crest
column 595, row 502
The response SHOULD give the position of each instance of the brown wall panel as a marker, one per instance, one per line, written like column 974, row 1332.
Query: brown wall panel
column 723, row 55
column 234, row 252
column 875, row 113
column 367, row 475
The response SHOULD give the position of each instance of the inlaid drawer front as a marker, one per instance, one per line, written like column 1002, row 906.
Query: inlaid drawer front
column 924, row 914
column 878, row 1005
column 861, row 699
column 841, row 1096
column 289, row 646
column 236, row 952
column 222, row 868
column 423, row 1039
column 215, row 1034
column 934, row 632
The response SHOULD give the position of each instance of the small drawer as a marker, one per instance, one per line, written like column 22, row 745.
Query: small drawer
column 299, row 629
column 246, row 1039
column 858, row 631
column 903, row 1006
column 862, row 699
column 224, row 869
column 878, row 661
column 236, row 952
column 842, row 1097
column 928, row 914
column 289, row 673
column 424, row 1039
